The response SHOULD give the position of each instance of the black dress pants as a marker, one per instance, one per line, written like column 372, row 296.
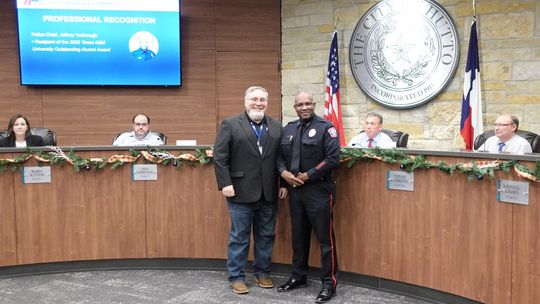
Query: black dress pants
column 311, row 209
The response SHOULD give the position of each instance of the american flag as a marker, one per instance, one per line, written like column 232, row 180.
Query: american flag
column 332, row 103
column 471, row 106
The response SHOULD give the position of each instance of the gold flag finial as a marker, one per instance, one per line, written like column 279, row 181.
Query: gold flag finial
column 336, row 20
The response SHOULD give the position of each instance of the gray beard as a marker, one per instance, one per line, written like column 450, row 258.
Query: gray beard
column 256, row 116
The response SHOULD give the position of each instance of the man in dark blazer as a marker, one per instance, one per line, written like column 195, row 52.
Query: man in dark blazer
column 245, row 161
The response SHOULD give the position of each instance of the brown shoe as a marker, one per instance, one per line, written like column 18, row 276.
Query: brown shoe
column 239, row 287
column 264, row 282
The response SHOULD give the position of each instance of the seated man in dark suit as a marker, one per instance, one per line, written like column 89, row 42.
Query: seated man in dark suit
column 505, row 138
column 19, row 134
column 141, row 134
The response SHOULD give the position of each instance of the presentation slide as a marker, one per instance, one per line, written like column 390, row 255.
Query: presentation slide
column 102, row 42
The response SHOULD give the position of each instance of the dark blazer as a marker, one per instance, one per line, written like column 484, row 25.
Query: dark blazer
column 238, row 162
column 31, row 141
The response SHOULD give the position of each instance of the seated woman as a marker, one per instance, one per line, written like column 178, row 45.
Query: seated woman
column 19, row 134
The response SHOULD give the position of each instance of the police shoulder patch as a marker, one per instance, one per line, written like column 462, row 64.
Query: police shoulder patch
column 333, row 132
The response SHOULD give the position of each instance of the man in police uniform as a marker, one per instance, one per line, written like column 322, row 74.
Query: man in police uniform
column 310, row 151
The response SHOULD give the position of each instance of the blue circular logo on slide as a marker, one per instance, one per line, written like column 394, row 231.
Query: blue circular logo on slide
column 143, row 46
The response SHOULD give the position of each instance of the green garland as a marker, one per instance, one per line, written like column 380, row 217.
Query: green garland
column 203, row 156
column 410, row 163
column 165, row 158
column 58, row 157
column 18, row 161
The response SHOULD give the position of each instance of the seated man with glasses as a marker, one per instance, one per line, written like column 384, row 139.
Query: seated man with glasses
column 505, row 138
column 372, row 136
column 141, row 135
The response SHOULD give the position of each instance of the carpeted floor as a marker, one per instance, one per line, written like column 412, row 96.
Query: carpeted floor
column 170, row 286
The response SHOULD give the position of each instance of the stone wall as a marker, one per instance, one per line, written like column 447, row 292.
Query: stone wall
column 509, row 57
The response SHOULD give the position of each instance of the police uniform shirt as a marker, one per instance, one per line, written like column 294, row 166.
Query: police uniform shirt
column 319, row 148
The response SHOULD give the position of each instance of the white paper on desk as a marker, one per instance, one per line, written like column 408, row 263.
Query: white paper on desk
column 186, row 142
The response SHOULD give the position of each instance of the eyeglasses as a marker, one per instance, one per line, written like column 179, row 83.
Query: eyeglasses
column 140, row 124
column 255, row 99
column 503, row 125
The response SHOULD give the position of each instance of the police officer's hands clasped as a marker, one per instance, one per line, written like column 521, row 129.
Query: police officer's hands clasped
column 294, row 181
column 303, row 176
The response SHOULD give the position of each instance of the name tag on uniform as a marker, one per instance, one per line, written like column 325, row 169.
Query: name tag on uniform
column 144, row 172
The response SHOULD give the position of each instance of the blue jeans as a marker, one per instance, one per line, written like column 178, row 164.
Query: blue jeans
column 262, row 216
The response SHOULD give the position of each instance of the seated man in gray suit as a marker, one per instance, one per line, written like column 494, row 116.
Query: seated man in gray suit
column 245, row 161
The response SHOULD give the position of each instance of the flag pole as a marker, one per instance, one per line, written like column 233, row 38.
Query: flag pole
column 471, row 125
column 332, row 100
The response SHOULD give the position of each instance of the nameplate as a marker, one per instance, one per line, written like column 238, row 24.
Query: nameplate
column 144, row 172
column 186, row 142
column 36, row 175
column 513, row 192
column 400, row 180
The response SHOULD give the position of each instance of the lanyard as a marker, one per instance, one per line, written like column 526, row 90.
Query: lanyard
column 258, row 134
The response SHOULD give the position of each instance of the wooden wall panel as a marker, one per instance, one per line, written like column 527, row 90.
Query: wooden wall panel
column 8, row 246
column 421, row 228
column 80, row 216
column 93, row 115
column 282, row 252
column 359, row 192
column 198, row 20
column 13, row 97
column 526, row 249
column 187, row 215
column 450, row 234
column 248, row 25
column 236, row 71
column 8, row 37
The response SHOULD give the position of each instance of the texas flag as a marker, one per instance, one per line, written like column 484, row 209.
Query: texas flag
column 471, row 107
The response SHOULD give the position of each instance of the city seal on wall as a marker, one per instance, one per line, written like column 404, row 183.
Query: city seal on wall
column 404, row 52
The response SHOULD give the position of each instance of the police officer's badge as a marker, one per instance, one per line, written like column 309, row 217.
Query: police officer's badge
column 312, row 132
column 333, row 132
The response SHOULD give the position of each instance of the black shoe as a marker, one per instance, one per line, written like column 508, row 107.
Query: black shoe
column 325, row 295
column 292, row 284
